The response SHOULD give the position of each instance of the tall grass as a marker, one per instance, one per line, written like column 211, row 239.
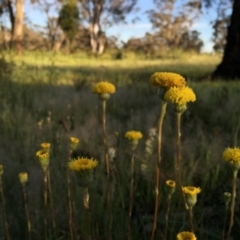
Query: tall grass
column 30, row 92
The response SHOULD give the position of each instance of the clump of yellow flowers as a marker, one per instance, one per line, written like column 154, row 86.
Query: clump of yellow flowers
column 23, row 178
column 186, row 236
column 46, row 146
column 83, row 167
column 232, row 156
column 73, row 143
column 191, row 195
column 133, row 137
column 180, row 97
column 170, row 187
column 167, row 80
column 43, row 157
column 103, row 89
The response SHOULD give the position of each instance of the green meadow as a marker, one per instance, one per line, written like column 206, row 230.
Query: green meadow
column 48, row 98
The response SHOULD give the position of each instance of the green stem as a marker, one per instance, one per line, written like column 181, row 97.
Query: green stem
column 179, row 170
column 225, row 219
column 235, row 172
column 167, row 215
column 51, row 203
column 70, row 212
column 45, row 204
column 160, row 124
column 27, row 213
column 107, row 167
column 4, row 210
column 131, row 194
column 105, row 138
column 86, row 205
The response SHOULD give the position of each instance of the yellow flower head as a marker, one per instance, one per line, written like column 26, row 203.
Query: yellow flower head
column 46, row 146
column 191, row 195
column 103, row 88
column 180, row 96
column 73, row 143
column 1, row 170
column 43, row 157
column 191, row 190
column 167, row 80
column 83, row 167
column 133, row 135
column 23, row 178
column 232, row 156
column 186, row 236
column 170, row 186
column 82, row 164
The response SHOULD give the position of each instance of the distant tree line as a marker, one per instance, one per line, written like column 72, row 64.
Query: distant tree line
column 82, row 25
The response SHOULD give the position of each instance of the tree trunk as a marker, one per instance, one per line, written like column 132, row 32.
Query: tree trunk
column 229, row 68
column 96, row 42
column 18, row 26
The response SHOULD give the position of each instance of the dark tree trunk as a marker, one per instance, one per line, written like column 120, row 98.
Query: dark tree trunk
column 229, row 68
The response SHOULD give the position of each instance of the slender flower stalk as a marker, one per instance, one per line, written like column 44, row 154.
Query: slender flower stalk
column 51, row 203
column 86, row 205
column 234, row 186
column 43, row 157
column 157, row 169
column 46, row 147
column 164, row 81
column 105, row 142
column 227, row 198
column 232, row 156
column 45, row 196
column 179, row 170
column 133, row 137
column 190, row 194
column 4, row 205
column 73, row 144
column 170, row 188
column 23, row 178
column 84, row 167
column 104, row 89
column 179, row 97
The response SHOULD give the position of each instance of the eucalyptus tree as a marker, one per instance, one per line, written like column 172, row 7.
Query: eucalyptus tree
column 69, row 20
column 229, row 66
column 172, row 19
column 100, row 14
column 16, row 20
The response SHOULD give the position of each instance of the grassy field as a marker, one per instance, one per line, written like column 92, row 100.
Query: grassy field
column 39, row 92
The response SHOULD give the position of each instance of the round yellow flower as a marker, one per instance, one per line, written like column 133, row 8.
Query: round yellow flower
column 133, row 135
column 170, row 186
column 180, row 96
column 186, row 236
column 191, row 195
column 171, row 183
column 23, row 178
column 82, row 164
column 43, row 157
column 46, row 146
column 73, row 143
column 103, row 88
column 167, row 80
column 191, row 190
column 232, row 156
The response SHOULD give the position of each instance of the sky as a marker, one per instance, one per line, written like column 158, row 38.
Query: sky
column 140, row 27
